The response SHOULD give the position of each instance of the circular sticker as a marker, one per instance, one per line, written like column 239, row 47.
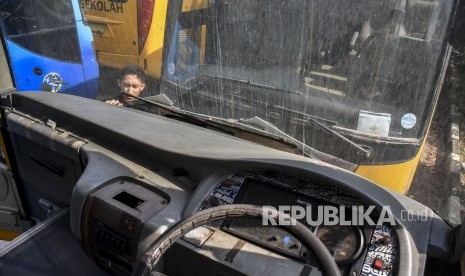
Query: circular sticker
column 53, row 82
column 408, row 121
column 171, row 68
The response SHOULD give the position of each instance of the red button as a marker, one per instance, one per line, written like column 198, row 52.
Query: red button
column 378, row 264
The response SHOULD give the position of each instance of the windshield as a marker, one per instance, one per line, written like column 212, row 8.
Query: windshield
column 368, row 68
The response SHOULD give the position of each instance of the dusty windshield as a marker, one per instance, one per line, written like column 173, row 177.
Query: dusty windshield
column 367, row 67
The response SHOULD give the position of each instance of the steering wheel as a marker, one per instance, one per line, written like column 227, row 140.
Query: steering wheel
column 152, row 255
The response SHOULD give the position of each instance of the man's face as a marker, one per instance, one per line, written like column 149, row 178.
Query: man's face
column 131, row 84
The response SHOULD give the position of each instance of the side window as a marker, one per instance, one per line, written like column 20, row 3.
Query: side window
column 45, row 27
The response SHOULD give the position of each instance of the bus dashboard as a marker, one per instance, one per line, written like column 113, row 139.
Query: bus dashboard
column 129, row 191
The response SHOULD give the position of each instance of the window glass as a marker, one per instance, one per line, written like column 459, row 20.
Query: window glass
column 45, row 27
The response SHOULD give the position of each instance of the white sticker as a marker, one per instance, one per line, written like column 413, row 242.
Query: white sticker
column 374, row 123
column 408, row 121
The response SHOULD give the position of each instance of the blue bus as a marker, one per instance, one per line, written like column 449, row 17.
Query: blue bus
column 50, row 47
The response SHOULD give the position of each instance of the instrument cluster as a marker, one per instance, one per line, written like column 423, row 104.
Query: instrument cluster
column 363, row 250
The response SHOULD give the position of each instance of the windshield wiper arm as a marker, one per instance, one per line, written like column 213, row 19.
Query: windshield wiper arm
column 178, row 114
column 270, row 128
column 309, row 151
column 282, row 108
column 224, row 125
column 253, row 84
column 366, row 152
column 201, row 84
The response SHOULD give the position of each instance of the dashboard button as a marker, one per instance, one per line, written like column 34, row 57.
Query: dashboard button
column 378, row 263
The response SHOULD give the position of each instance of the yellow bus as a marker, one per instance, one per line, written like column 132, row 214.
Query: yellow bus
column 131, row 32
column 359, row 91
column 353, row 84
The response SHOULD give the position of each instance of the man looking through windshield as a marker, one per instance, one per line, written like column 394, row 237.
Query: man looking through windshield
column 131, row 81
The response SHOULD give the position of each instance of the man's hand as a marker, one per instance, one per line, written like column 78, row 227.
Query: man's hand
column 114, row 102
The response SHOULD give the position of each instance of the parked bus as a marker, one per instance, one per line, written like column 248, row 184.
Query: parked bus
column 364, row 76
column 351, row 83
column 131, row 32
column 50, row 47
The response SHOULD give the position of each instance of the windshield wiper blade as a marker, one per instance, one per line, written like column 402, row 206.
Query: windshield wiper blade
column 177, row 113
column 201, row 84
column 282, row 108
column 224, row 125
column 253, row 84
column 364, row 151
column 270, row 128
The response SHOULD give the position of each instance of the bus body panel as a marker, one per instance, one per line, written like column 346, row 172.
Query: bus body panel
column 114, row 26
column 192, row 5
column 396, row 177
column 116, row 33
column 152, row 53
column 24, row 63
column 53, row 57
column 399, row 177
column 89, row 60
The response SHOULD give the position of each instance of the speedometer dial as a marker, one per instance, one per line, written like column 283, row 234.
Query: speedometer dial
column 343, row 242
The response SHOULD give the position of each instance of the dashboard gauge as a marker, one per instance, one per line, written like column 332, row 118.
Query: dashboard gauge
column 345, row 243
